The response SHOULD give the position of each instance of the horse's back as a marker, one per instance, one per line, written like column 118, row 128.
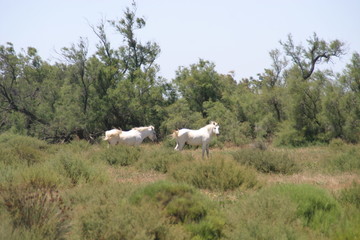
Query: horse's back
column 130, row 137
column 112, row 133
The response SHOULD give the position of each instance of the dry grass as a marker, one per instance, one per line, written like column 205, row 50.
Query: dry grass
column 330, row 182
column 134, row 176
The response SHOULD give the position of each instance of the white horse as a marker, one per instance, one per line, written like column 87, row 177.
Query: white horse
column 201, row 136
column 133, row 137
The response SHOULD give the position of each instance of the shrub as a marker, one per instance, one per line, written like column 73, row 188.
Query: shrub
column 266, row 161
column 347, row 160
column 119, row 155
column 315, row 207
column 214, row 174
column 78, row 169
column 160, row 159
column 289, row 136
column 39, row 176
column 18, row 140
column 351, row 195
column 337, row 144
column 284, row 211
column 21, row 149
column 41, row 211
column 181, row 202
column 183, row 205
column 262, row 215
column 124, row 221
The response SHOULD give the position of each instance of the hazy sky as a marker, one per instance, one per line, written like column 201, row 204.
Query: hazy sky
column 236, row 35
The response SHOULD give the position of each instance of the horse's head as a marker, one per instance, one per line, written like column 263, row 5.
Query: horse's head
column 152, row 135
column 215, row 127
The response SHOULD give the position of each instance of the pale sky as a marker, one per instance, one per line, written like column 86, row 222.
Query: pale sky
column 237, row 35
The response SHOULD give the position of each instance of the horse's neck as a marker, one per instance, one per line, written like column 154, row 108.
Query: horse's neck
column 209, row 129
column 144, row 134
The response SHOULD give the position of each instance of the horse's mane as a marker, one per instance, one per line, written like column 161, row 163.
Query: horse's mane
column 212, row 123
column 140, row 129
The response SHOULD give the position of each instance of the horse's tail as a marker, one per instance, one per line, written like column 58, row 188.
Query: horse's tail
column 175, row 134
column 109, row 135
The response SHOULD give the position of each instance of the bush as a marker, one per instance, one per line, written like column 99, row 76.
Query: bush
column 262, row 215
column 21, row 149
column 351, row 195
column 289, row 136
column 181, row 202
column 39, row 176
column 119, row 155
column 315, row 207
column 78, row 169
column 183, row 205
column 347, row 160
column 40, row 211
column 266, row 161
column 124, row 221
column 284, row 211
column 337, row 144
column 214, row 174
column 161, row 159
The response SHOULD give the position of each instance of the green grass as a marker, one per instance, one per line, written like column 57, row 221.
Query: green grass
column 74, row 191
column 266, row 161
column 219, row 173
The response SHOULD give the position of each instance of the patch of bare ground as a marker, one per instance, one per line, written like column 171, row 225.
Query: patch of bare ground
column 330, row 182
column 131, row 175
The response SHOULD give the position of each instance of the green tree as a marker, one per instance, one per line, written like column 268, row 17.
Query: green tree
column 20, row 84
column 197, row 84
column 318, row 51
column 305, row 87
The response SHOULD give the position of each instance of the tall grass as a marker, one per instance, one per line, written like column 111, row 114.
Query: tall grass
column 218, row 173
column 266, row 161
column 344, row 159
column 161, row 159
column 183, row 205
column 15, row 149
column 119, row 155
column 68, row 191
column 284, row 212
column 40, row 211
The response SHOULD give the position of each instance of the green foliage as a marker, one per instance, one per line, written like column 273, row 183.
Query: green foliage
column 182, row 204
column 198, row 84
column 123, row 221
column 266, row 161
column 78, row 169
column 161, row 159
column 315, row 207
column 351, row 195
column 217, row 173
column 280, row 212
column 263, row 215
column 42, row 175
column 121, row 155
column 179, row 116
column 346, row 160
column 40, row 212
column 21, row 149
column 289, row 136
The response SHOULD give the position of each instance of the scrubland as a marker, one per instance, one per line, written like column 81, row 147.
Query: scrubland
column 89, row 191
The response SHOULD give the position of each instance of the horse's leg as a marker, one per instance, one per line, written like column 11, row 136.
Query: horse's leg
column 177, row 146
column 207, row 150
column 203, row 149
column 181, row 145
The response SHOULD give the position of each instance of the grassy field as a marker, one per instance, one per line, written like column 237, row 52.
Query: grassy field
column 83, row 191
